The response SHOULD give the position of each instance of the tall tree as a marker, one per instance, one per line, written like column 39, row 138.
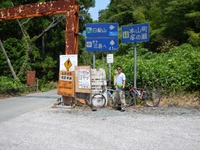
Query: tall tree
column 46, row 35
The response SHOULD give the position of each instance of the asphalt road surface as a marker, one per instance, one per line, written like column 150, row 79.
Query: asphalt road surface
column 13, row 107
column 62, row 128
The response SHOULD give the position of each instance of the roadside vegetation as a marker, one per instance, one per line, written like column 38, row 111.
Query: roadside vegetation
column 169, row 62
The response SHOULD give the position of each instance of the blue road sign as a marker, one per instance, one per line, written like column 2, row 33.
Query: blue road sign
column 101, row 44
column 135, row 33
column 101, row 29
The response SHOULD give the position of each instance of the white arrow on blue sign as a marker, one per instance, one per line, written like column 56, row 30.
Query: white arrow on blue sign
column 101, row 29
column 135, row 33
column 103, row 44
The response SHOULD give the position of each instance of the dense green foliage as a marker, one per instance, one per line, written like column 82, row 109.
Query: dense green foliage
column 165, row 60
column 172, row 22
column 171, row 58
column 175, row 71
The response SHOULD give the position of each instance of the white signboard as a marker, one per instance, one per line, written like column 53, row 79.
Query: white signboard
column 84, row 79
column 68, row 62
column 109, row 58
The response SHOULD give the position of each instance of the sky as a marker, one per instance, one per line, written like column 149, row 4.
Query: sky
column 99, row 5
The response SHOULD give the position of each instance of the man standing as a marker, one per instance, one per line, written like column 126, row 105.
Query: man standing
column 120, row 85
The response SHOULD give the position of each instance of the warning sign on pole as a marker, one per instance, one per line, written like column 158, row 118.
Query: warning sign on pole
column 68, row 62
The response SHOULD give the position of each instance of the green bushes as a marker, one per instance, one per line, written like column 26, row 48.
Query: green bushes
column 175, row 71
column 9, row 85
column 14, row 87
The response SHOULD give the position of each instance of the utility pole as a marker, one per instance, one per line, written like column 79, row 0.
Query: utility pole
column 8, row 60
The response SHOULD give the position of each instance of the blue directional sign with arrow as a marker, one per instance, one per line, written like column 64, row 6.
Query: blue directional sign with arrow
column 102, row 37
column 103, row 44
column 135, row 33
column 101, row 30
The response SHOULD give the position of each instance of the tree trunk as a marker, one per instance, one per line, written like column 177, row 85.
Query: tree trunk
column 43, row 47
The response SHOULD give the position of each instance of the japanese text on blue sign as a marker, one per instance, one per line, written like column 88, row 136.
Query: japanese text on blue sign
column 135, row 33
column 102, row 44
column 101, row 30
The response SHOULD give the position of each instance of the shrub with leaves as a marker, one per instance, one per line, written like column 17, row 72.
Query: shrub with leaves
column 175, row 71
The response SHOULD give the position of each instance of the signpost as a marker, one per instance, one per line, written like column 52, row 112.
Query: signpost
column 66, row 75
column 133, row 34
column 68, row 62
column 101, row 37
column 109, row 61
column 103, row 44
column 101, row 29
column 109, row 58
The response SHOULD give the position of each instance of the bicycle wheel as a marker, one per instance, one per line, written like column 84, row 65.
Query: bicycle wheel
column 152, row 98
column 129, row 98
column 112, row 102
column 98, row 100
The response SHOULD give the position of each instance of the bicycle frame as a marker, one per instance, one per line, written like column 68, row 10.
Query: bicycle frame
column 135, row 90
column 150, row 97
column 111, row 95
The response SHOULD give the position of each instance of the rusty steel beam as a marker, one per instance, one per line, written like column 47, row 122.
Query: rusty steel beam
column 68, row 7
column 72, row 24
column 36, row 10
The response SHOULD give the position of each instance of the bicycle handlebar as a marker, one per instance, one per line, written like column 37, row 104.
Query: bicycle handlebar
column 111, row 90
column 130, row 85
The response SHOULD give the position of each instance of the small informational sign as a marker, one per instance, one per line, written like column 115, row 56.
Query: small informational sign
column 109, row 58
column 31, row 77
column 135, row 33
column 83, row 78
column 66, row 78
column 68, row 62
column 66, row 83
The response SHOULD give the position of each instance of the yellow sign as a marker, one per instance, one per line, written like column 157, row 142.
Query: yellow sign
column 66, row 83
column 68, row 64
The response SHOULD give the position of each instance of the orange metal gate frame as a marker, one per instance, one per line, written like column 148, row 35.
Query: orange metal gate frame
column 68, row 7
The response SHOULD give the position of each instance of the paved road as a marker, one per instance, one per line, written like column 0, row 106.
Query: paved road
column 13, row 107
column 45, row 128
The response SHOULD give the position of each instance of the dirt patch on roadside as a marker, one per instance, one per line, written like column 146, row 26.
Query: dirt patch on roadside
column 2, row 97
column 180, row 100
column 5, row 96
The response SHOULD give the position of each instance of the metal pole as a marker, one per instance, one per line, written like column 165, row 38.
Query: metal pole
column 93, row 60
column 135, row 64
column 37, row 84
column 109, row 73
column 8, row 60
column 135, row 68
